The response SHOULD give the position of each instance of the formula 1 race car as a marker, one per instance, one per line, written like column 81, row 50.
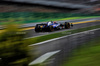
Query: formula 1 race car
column 51, row 26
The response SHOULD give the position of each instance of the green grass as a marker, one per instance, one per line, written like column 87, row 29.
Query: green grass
column 59, row 34
column 86, row 55
column 32, row 17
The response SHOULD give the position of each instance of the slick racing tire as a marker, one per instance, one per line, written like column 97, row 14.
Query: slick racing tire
column 37, row 28
column 67, row 25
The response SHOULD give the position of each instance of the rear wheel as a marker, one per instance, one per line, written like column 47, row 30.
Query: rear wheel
column 37, row 28
column 67, row 25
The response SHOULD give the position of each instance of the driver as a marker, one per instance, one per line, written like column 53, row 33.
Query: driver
column 54, row 22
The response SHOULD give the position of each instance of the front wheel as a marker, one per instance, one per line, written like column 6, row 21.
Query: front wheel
column 67, row 25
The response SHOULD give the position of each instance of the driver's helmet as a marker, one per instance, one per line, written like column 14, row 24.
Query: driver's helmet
column 49, row 23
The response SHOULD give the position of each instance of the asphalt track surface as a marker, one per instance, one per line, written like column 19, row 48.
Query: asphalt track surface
column 66, row 45
column 32, row 33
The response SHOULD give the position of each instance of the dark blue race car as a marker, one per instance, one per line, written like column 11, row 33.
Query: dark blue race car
column 51, row 26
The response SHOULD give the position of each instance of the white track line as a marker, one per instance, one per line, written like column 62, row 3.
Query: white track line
column 44, row 57
column 62, row 37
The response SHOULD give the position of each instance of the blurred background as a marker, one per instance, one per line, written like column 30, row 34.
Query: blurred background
column 17, row 36
column 49, row 5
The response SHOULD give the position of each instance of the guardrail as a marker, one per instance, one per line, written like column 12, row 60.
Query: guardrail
column 52, row 3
